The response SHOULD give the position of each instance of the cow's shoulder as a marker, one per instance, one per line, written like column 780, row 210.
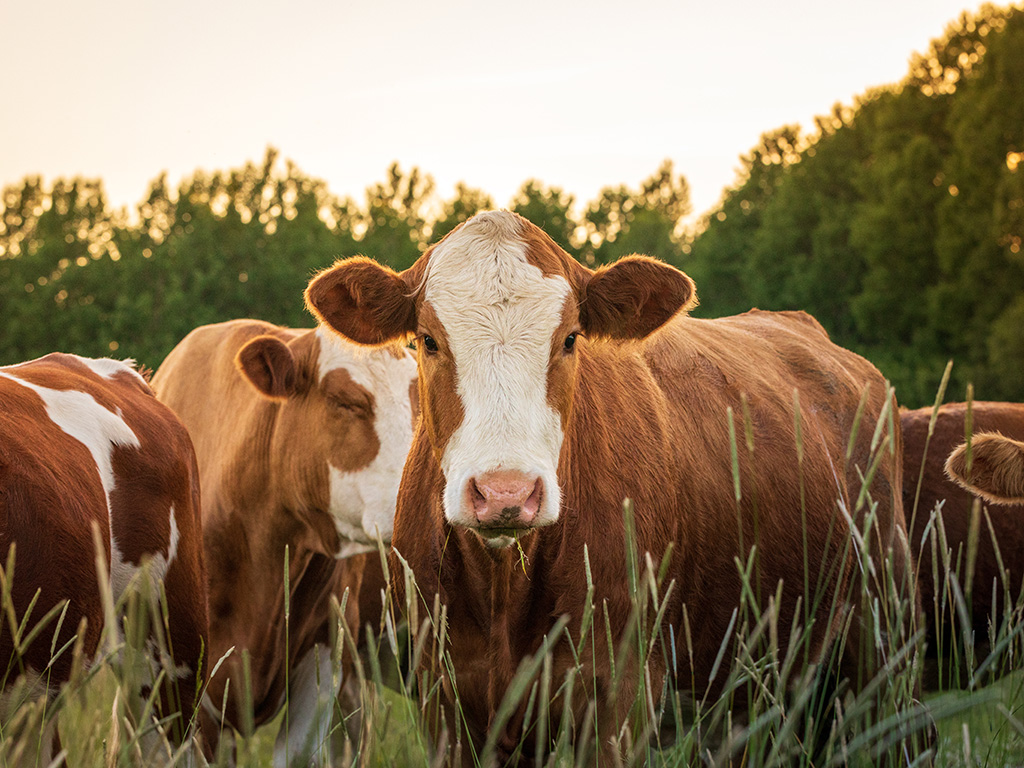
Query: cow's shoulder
column 756, row 352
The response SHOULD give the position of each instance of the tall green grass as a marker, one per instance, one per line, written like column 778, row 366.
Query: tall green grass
column 108, row 713
column 773, row 702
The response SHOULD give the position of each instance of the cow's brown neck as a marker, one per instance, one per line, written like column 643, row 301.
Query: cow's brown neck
column 503, row 603
column 250, row 533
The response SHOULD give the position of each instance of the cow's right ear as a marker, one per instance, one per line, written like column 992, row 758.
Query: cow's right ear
column 269, row 365
column 997, row 468
column 363, row 301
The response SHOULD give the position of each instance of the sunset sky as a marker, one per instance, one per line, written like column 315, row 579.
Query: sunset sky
column 580, row 95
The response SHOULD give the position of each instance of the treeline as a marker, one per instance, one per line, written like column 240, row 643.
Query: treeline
column 78, row 277
column 898, row 223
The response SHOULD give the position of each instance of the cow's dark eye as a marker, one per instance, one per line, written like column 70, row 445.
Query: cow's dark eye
column 429, row 344
column 350, row 406
column 570, row 342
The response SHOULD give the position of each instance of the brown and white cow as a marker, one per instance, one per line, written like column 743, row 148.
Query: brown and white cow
column 997, row 465
column 550, row 393
column 84, row 443
column 301, row 439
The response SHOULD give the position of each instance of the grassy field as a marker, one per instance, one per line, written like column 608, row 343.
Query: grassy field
column 773, row 709
column 385, row 718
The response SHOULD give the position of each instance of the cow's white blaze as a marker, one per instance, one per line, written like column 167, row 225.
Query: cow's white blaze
column 81, row 417
column 362, row 503
column 499, row 314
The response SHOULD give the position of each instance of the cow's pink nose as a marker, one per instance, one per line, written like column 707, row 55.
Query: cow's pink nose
column 506, row 498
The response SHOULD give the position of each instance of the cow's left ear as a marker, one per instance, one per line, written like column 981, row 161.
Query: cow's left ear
column 364, row 301
column 269, row 365
column 633, row 297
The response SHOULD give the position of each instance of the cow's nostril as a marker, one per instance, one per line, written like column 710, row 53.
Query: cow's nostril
column 532, row 504
column 478, row 498
column 505, row 497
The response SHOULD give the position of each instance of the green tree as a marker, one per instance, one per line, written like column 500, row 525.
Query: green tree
column 982, row 275
column 467, row 202
column 720, row 257
column 648, row 220
column 549, row 208
column 396, row 220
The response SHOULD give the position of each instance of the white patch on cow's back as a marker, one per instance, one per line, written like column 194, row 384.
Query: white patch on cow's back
column 362, row 503
column 499, row 313
column 108, row 367
column 80, row 416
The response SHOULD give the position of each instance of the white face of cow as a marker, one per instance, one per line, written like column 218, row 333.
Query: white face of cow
column 362, row 500
column 498, row 315
column 341, row 433
column 496, row 308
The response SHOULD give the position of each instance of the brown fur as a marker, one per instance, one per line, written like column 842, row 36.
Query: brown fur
column 441, row 410
column 51, row 496
column 341, row 299
column 1007, row 522
column 645, row 417
column 268, row 364
column 992, row 467
column 262, row 426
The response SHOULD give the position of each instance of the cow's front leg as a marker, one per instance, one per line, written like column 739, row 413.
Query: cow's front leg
column 304, row 738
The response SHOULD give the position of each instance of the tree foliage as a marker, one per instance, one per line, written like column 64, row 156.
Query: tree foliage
column 77, row 277
column 898, row 223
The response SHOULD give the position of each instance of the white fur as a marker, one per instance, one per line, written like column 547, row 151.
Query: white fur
column 363, row 502
column 160, row 563
column 81, row 417
column 499, row 314
column 304, row 738
column 108, row 368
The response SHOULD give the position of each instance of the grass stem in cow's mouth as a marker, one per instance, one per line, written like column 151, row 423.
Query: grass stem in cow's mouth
column 502, row 537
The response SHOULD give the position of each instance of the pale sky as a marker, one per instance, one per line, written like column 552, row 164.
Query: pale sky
column 581, row 95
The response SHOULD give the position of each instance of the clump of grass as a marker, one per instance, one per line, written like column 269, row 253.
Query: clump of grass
column 771, row 701
column 107, row 713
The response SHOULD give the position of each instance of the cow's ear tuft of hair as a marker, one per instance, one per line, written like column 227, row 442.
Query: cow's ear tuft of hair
column 633, row 297
column 269, row 365
column 364, row 301
column 997, row 468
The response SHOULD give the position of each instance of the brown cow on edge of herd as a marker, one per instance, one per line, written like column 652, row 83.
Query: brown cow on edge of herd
column 550, row 393
column 301, row 438
column 992, row 478
column 85, row 443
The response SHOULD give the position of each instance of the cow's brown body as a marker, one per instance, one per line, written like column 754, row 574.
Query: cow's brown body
column 269, row 419
column 650, row 424
column 1007, row 520
column 639, row 396
column 85, row 443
